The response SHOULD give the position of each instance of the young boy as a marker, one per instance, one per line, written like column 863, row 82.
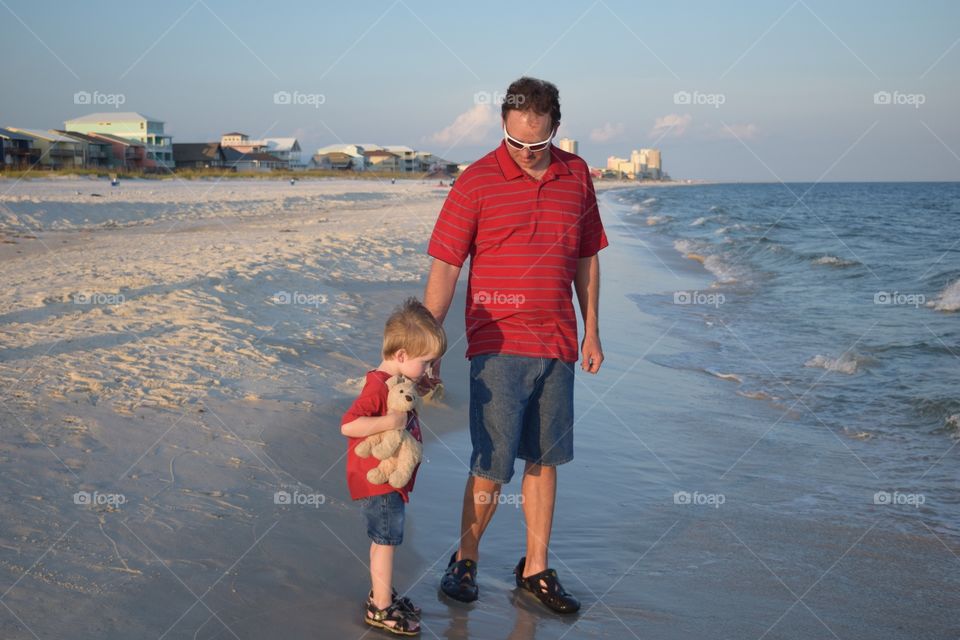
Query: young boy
column 412, row 341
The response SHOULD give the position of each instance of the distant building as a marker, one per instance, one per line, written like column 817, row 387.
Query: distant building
column 97, row 152
column 382, row 160
column 569, row 145
column 16, row 150
column 127, row 154
column 252, row 161
column 643, row 164
column 339, row 160
column 286, row 150
column 199, row 155
column 56, row 151
column 358, row 161
column 132, row 126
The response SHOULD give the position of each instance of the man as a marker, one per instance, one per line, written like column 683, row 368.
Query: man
column 526, row 215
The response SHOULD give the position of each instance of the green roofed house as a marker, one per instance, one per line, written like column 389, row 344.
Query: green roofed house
column 132, row 126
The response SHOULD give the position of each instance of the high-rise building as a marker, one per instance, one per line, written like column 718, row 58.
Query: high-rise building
column 568, row 144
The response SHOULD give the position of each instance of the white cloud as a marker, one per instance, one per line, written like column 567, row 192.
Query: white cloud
column 607, row 132
column 672, row 124
column 742, row 131
column 470, row 127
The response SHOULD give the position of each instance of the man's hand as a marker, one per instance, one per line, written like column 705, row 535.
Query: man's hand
column 592, row 353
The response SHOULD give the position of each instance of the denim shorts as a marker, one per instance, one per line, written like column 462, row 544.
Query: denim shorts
column 384, row 514
column 520, row 407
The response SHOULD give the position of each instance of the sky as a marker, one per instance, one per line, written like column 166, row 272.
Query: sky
column 791, row 90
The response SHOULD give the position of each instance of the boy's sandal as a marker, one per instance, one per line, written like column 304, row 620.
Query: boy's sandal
column 547, row 588
column 460, row 579
column 403, row 623
column 405, row 604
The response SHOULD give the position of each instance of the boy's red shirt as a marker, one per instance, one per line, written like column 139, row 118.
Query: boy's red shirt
column 372, row 401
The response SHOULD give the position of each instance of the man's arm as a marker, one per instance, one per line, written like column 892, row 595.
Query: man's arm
column 441, row 285
column 587, row 284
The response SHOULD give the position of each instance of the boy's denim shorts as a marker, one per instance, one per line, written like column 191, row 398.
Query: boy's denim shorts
column 384, row 514
column 520, row 407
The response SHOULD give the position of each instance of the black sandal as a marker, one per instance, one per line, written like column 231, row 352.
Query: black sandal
column 547, row 588
column 404, row 604
column 404, row 624
column 460, row 579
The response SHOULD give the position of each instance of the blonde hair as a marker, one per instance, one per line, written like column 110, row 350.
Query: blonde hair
column 413, row 328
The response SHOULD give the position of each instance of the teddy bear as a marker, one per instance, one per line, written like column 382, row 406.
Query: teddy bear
column 399, row 452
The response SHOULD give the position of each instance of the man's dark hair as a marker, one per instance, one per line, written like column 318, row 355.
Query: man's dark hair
column 532, row 94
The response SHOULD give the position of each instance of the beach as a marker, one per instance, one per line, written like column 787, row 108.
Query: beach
column 174, row 361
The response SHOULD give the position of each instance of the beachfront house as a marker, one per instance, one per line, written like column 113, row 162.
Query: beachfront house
column 56, row 151
column 334, row 160
column 16, row 152
column 97, row 152
column 407, row 156
column 427, row 162
column 287, row 150
column 198, row 155
column 357, row 161
column 131, row 126
column 127, row 154
column 252, row 161
column 382, row 160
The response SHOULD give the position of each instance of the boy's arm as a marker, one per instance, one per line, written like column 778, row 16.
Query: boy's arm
column 368, row 425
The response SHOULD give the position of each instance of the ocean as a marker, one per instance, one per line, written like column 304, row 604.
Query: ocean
column 834, row 303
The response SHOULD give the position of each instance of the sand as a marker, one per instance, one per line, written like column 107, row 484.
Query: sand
column 173, row 366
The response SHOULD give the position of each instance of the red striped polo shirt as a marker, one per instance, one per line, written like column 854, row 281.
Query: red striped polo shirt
column 524, row 238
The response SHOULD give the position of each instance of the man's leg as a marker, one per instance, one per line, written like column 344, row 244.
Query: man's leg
column 539, row 496
column 480, row 498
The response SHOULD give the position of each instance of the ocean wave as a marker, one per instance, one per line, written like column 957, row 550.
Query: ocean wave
column 699, row 222
column 847, row 363
column 654, row 220
column 949, row 298
column 834, row 261
column 952, row 423
column 732, row 377
column 725, row 273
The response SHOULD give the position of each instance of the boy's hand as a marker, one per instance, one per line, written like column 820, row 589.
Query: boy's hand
column 399, row 419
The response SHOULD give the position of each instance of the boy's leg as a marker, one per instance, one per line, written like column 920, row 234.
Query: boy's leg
column 381, row 574
column 539, row 497
column 479, row 504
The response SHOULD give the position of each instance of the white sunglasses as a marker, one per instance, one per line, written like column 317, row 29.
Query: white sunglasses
column 532, row 147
